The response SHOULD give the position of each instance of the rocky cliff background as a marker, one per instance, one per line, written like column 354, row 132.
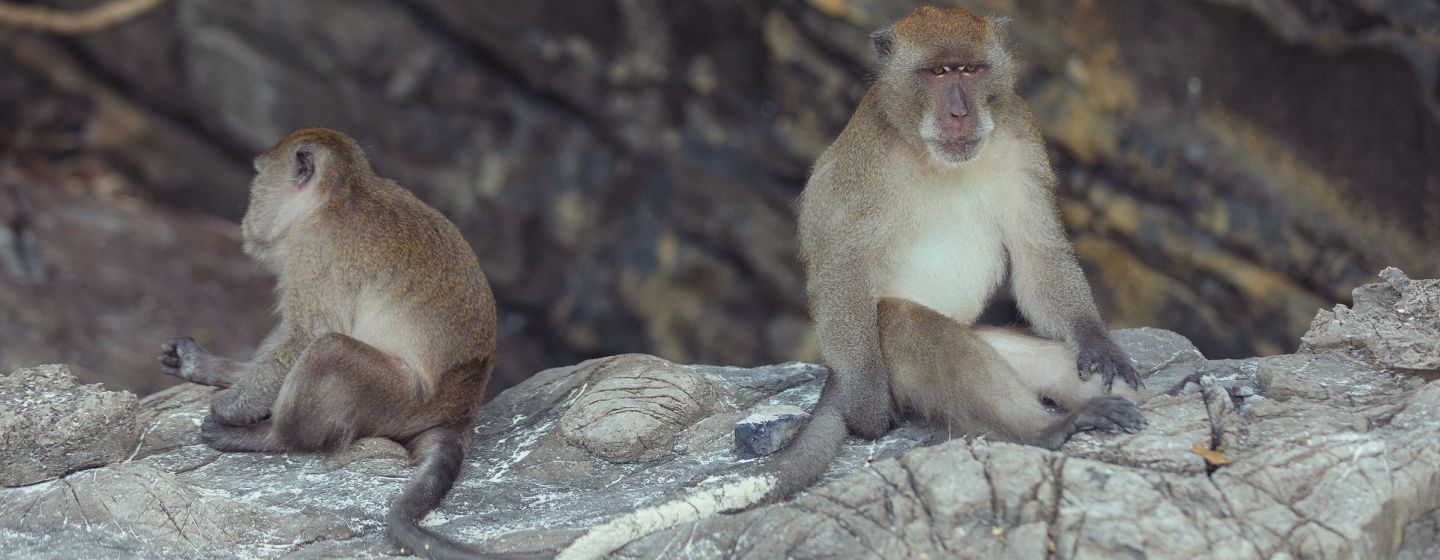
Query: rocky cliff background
column 625, row 168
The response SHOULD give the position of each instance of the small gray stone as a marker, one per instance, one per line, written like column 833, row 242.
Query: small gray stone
column 1395, row 277
column 50, row 425
column 1152, row 350
column 768, row 429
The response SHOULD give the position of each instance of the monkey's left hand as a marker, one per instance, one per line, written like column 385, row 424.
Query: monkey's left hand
column 231, row 407
column 1101, row 355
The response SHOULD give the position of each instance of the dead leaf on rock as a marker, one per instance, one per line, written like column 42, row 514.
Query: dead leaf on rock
column 1212, row 457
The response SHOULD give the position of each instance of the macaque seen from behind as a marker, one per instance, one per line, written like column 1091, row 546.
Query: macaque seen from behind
column 386, row 326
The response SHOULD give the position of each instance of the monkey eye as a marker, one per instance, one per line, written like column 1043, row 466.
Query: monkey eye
column 940, row 70
column 971, row 69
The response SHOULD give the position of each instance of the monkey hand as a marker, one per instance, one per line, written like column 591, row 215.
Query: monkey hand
column 232, row 407
column 180, row 357
column 1103, row 356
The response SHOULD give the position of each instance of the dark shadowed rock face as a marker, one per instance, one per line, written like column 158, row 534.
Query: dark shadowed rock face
column 99, row 280
column 1318, row 454
column 625, row 168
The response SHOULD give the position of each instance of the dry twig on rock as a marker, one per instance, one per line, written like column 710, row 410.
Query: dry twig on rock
column 41, row 18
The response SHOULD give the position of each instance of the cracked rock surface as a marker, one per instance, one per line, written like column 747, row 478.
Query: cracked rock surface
column 1327, row 453
column 1395, row 324
column 50, row 425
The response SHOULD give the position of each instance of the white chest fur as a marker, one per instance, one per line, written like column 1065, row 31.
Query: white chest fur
column 950, row 255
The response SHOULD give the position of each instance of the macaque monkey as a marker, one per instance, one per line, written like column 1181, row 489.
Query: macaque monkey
column 387, row 327
column 936, row 191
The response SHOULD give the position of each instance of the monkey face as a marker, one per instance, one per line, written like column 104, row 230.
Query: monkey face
column 942, row 72
column 285, row 187
column 957, row 122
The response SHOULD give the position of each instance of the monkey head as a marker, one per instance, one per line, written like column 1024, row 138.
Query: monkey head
column 294, row 178
column 942, row 75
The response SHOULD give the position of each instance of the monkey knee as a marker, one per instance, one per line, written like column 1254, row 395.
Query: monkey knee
column 321, row 368
column 887, row 309
column 328, row 345
column 894, row 313
column 869, row 418
column 869, row 428
column 313, row 432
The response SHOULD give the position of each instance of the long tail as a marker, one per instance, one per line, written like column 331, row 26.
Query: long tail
column 441, row 452
column 771, row 479
column 801, row 463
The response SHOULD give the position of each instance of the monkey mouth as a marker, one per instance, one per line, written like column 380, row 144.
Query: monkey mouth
column 957, row 150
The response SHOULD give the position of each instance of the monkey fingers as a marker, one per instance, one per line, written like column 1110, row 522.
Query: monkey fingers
column 172, row 362
column 184, row 358
column 1108, row 360
column 1128, row 373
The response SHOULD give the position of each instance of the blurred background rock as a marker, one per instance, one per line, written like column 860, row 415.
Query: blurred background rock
column 625, row 169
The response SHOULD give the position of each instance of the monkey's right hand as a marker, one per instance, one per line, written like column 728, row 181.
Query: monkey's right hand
column 231, row 407
column 1101, row 355
column 180, row 357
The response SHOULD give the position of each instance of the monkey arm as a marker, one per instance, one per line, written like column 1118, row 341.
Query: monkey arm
column 1052, row 293
column 846, row 327
column 183, row 357
column 252, row 395
column 1049, row 286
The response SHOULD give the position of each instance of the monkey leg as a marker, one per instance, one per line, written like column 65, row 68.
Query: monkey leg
column 944, row 373
column 861, row 402
column 339, row 389
column 1048, row 367
column 249, row 437
column 184, row 358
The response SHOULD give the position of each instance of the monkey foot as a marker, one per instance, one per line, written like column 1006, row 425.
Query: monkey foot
column 235, row 438
column 231, row 408
column 1111, row 413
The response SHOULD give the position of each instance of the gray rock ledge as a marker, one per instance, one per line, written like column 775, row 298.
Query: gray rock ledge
column 1333, row 452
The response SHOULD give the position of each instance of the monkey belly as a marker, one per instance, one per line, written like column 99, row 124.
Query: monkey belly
column 951, row 265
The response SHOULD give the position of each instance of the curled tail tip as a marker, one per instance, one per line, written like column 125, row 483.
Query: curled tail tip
column 441, row 453
column 406, row 534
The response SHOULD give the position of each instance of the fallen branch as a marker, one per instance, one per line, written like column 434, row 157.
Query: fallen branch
column 41, row 18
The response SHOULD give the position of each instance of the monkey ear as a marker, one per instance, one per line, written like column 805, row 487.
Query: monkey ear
column 1004, row 28
column 304, row 166
column 884, row 40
